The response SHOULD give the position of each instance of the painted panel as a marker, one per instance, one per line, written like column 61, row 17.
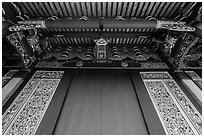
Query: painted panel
column 26, row 112
column 176, row 112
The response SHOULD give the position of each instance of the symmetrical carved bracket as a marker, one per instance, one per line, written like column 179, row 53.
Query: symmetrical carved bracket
column 101, row 41
column 175, row 26
column 101, row 48
column 15, row 40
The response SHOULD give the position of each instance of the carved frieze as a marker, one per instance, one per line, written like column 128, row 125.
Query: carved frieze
column 48, row 74
column 26, row 112
column 29, row 117
column 173, row 120
column 14, row 108
column 189, row 109
column 152, row 65
column 176, row 112
column 155, row 75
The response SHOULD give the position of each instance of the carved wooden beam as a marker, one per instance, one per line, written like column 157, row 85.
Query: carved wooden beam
column 98, row 35
column 174, row 26
column 97, row 24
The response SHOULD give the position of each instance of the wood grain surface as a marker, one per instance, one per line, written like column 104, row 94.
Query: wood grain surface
column 101, row 103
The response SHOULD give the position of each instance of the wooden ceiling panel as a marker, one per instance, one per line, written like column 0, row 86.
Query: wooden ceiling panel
column 167, row 10
column 102, row 9
column 63, row 40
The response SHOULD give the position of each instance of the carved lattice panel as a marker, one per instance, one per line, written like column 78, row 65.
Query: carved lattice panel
column 176, row 112
column 26, row 112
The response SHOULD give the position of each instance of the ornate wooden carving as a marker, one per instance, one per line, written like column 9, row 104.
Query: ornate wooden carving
column 26, row 112
column 174, row 26
column 176, row 112
column 30, row 24
column 188, row 41
column 15, row 40
column 169, row 44
column 101, row 48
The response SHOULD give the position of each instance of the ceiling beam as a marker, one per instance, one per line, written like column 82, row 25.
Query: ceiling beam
column 98, row 35
column 102, row 24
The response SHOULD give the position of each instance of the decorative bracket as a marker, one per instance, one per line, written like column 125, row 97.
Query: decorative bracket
column 175, row 26
column 15, row 40
column 101, row 48
column 31, row 24
column 188, row 41
column 101, row 41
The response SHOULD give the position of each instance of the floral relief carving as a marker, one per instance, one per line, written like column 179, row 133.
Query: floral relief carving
column 48, row 74
column 26, row 112
column 176, row 112
column 187, row 106
column 18, row 103
column 174, row 122
column 152, row 65
column 28, row 119
column 155, row 75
